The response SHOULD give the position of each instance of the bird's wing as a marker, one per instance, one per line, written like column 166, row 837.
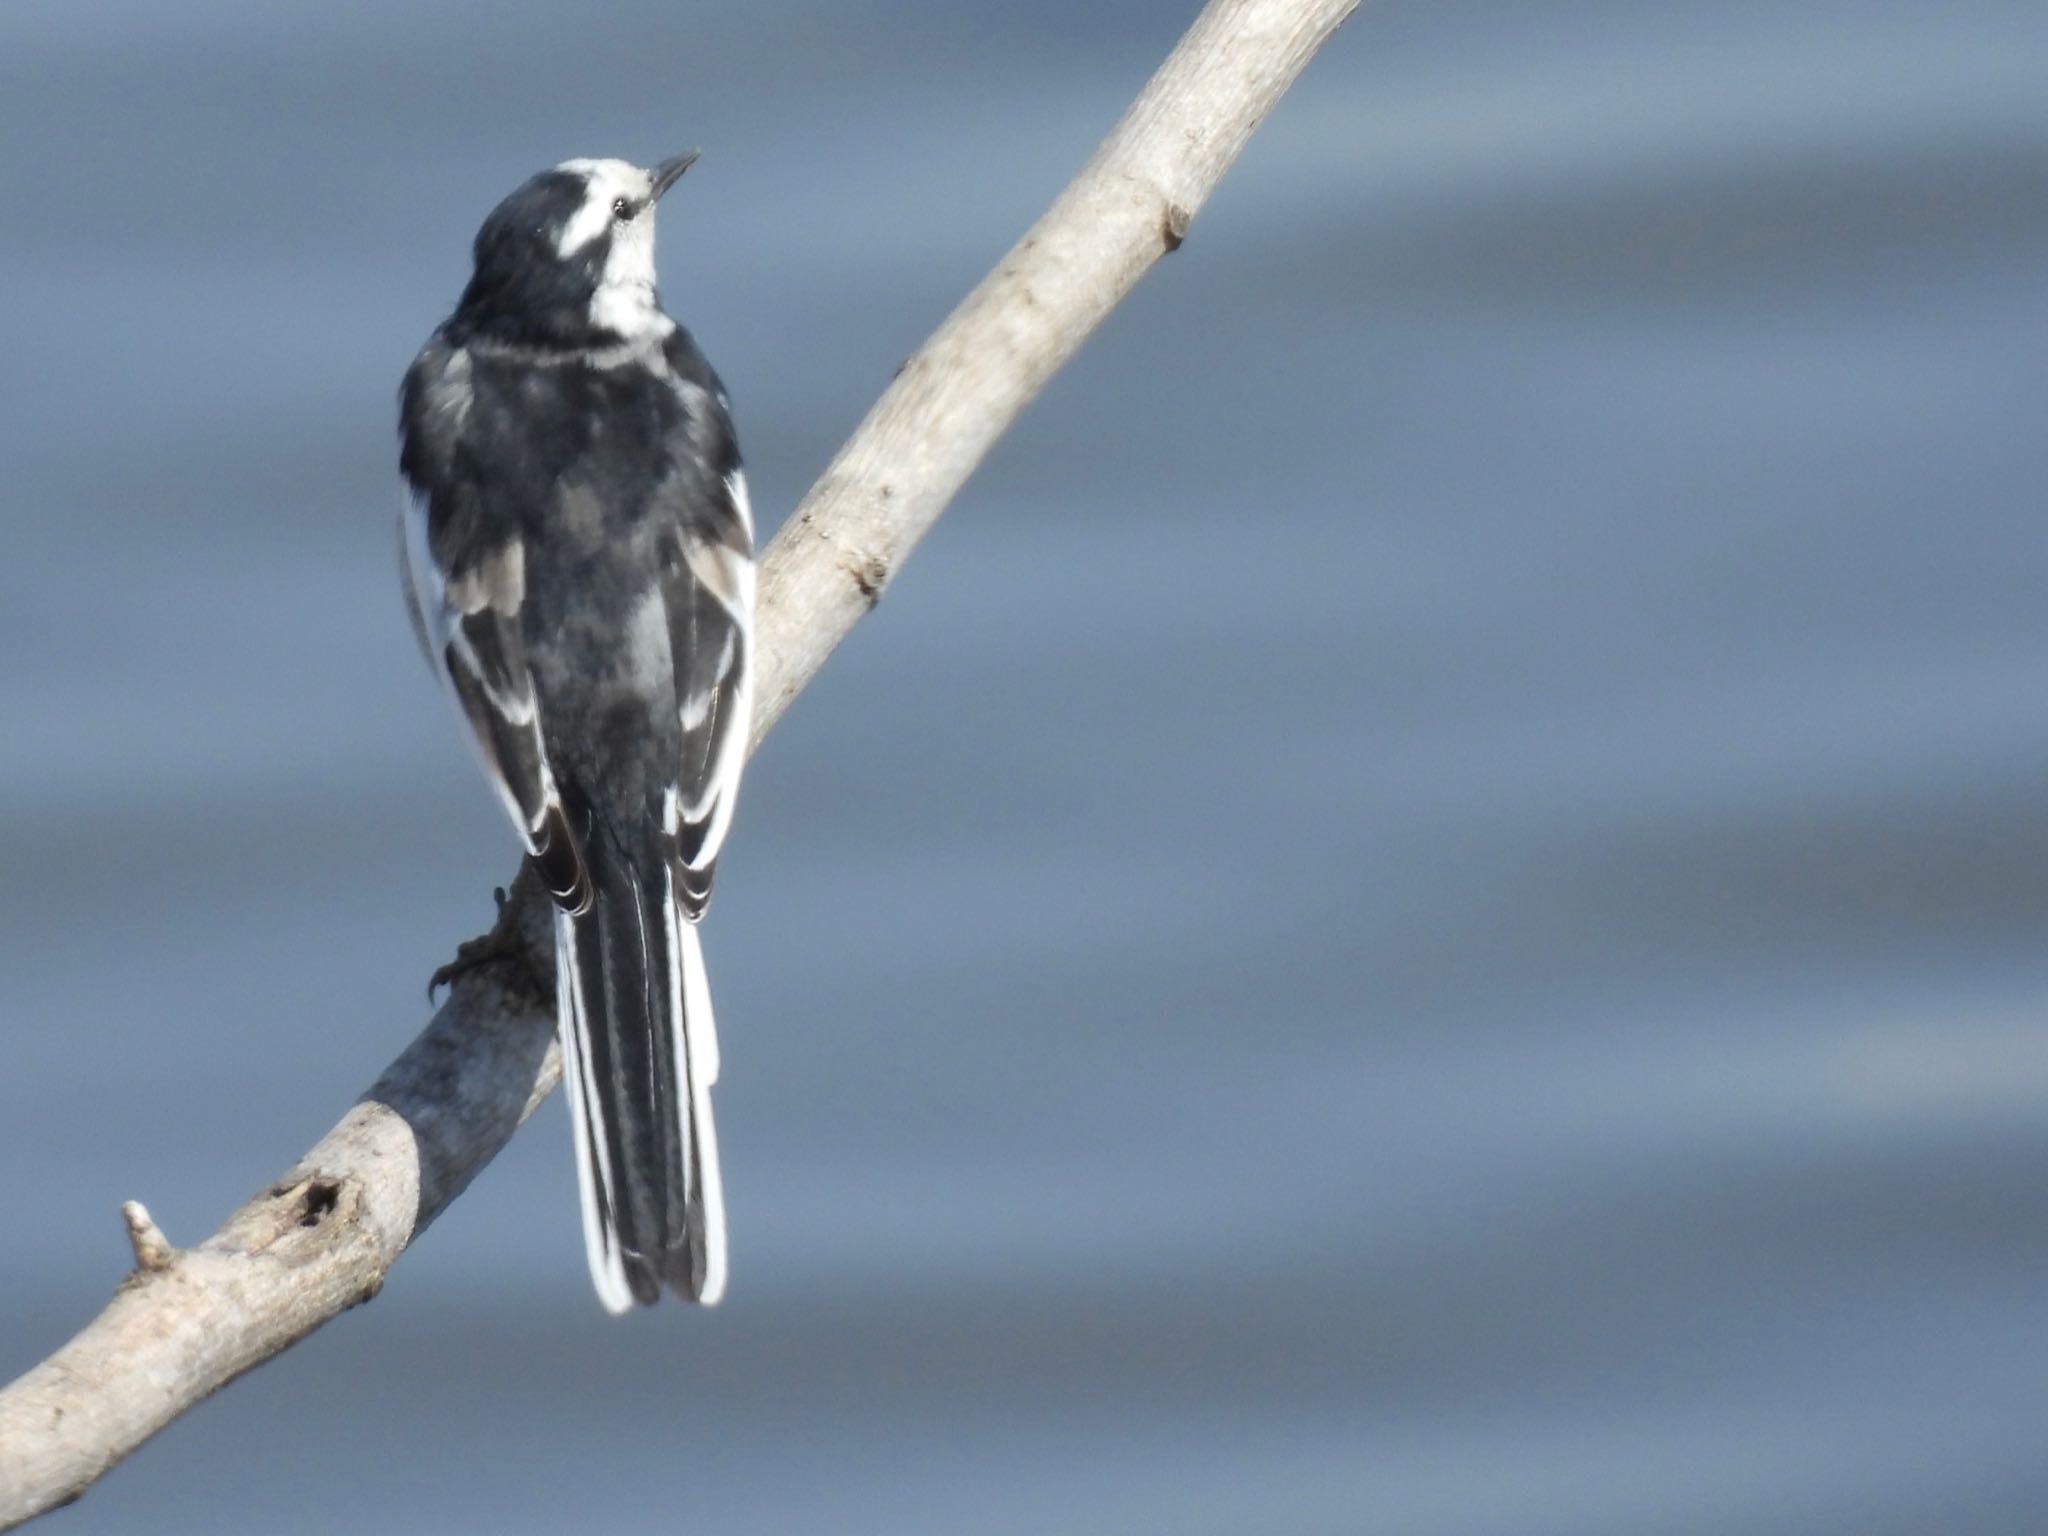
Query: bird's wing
column 468, row 600
column 466, row 587
column 709, row 593
column 710, row 601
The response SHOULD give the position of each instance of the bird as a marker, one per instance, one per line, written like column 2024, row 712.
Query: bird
column 579, row 565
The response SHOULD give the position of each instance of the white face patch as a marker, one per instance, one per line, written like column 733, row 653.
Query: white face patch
column 624, row 302
column 604, row 182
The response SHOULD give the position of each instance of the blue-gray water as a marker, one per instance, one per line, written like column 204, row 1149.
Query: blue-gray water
column 1424, row 913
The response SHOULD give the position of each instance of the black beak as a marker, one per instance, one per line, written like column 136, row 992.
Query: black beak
column 667, row 173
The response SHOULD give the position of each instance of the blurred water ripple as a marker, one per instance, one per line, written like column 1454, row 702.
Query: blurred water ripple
column 1424, row 914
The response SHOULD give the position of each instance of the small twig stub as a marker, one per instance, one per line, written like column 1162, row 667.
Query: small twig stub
column 1174, row 227
column 153, row 1251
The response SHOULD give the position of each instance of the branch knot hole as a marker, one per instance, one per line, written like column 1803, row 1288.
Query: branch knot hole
column 318, row 1201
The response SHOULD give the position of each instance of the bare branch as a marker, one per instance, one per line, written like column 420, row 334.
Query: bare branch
column 1130, row 205
column 323, row 1237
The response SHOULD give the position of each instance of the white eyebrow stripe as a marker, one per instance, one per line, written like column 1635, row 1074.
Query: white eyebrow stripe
column 592, row 218
column 604, row 182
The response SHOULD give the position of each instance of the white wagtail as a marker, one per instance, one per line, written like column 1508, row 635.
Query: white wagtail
column 579, row 559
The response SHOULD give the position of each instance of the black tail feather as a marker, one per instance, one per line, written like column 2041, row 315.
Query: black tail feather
column 635, row 1015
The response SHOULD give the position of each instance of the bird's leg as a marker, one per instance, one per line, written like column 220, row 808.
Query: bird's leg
column 507, row 944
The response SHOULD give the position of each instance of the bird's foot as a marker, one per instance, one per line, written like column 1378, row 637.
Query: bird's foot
column 503, row 945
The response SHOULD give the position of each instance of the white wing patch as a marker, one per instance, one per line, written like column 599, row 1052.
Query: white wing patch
column 499, row 581
column 728, row 575
column 436, row 605
column 724, row 572
column 723, row 782
column 736, row 488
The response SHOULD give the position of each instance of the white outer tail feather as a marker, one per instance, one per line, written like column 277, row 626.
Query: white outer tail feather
column 696, row 1054
column 600, row 1242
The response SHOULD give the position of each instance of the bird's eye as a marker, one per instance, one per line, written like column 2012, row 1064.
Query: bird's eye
column 622, row 209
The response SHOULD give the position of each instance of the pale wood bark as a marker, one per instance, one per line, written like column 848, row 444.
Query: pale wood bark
column 325, row 1235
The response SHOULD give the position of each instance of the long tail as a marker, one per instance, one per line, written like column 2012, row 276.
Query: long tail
column 639, row 1056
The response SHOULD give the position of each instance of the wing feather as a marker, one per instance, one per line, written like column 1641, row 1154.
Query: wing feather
column 710, row 600
column 467, row 613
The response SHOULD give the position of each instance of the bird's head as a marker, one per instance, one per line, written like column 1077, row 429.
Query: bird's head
column 568, row 258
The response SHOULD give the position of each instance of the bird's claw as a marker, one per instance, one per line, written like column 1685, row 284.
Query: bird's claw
column 502, row 943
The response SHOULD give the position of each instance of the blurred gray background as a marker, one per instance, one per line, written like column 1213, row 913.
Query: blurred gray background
column 1424, row 913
